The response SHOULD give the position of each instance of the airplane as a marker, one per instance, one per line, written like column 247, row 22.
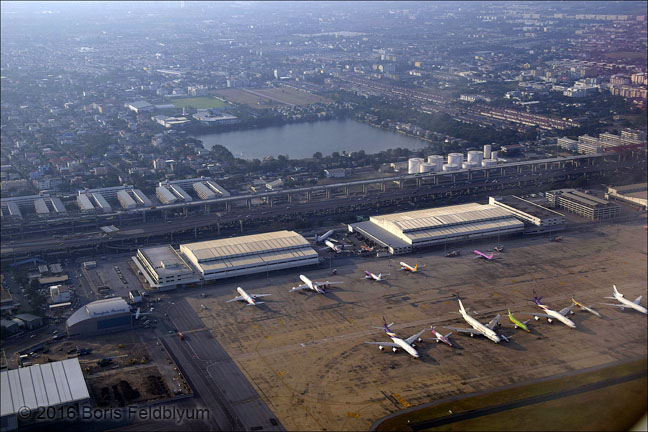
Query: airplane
column 318, row 287
column 587, row 308
column 453, row 254
column 552, row 314
column 557, row 239
column 337, row 248
column 499, row 248
column 323, row 237
column 405, row 266
column 372, row 276
column 406, row 344
column 479, row 328
column 139, row 314
column 249, row 298
column 625, row 303
column 517, row 323
column 438, row 337
column 483, row 255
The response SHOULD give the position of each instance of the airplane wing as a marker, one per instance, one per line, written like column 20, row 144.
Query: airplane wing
column 465, row 330
column 389, row 344
column 412, row 338
column 491, row 325
column 260, row 295
column 637, row 300
column 239, row 298
column 299, row 288
column 540, row 315
column 619, row 305
column 329, row 283
column 565, row 311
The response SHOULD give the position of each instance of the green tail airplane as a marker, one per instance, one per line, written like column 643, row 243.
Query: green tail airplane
column 517, row 322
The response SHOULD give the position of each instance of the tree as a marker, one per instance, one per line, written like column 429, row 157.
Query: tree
column 317, row 155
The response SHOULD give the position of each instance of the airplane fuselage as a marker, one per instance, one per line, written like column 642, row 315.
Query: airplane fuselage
column 247, row 297
column 442, row 338
column 627, row 303
column 409, row 349
column 557, row 315
column 404, row 266
column 312, row 285
column 490, row 334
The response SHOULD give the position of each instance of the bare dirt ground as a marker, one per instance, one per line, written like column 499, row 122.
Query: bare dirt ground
column 137, row 384
column 305, row 353
column 269, row 97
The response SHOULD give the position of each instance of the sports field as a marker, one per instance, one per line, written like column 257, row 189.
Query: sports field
column 202, row 102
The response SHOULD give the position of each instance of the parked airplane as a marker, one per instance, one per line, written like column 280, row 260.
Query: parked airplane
column 318, row 287
column 139, row 314
column 406, row 344
column 483, row 255
column 557, row 239
column 249, row 298
column 323, row 237
column 405, row 266
column 453, row 254
column 552, row 314
column 586, row 308
column 438, row 337
column 372, row 276
column 517, row 323
column 477, row 327
column 337, row 248
column 625, row 303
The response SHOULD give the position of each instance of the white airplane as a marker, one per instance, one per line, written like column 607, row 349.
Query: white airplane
column 372, row 276
column 327, row 234
column 586, row 308
column 318, row 287
column 479, row 328
column 552, row 314
column 438, row 337
column 337, row 248
column 249, row 298
column 405, row 266
column 139, row 314
column 406, row 345
column 625, row 303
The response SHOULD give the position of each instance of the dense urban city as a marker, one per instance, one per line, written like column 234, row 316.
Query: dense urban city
column 164, row 165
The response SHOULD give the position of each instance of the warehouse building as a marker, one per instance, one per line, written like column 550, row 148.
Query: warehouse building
column 634, row 194
column 582, row 204
column 163, row 268
column 217, row 259
column 56, row 384
column 100, row 317
column 403, row 232
column 536, row 218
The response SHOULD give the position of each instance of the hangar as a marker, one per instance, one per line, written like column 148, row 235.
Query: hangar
column 165, row 268
column 100, row 317
column 403, row 232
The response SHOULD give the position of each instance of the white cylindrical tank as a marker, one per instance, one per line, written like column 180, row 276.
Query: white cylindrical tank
column 437, row 160
column 494, row 155
column 450, row 167
column 414, row 165
column 455, row 159
column 468, row 165
column 489, row 163
column 427, row 167
column 487, row 151
column 475, row 156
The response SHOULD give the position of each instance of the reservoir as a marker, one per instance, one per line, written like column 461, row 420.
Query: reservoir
column 301, row 140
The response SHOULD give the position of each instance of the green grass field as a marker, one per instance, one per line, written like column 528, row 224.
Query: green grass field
column 616, row 407
column 199, row 102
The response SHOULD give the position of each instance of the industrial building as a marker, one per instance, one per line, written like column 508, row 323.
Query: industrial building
column 100, row 317
column 165, row 268
column 535, row 217
column 101, row 202
column 164, row 195
column 125, row 200
column 40, row 386
column 217, row 259
column 141, row 198
column 403, row 232
column 582, row 204
column 634, row 194
column 84, row 203
column 41, row 207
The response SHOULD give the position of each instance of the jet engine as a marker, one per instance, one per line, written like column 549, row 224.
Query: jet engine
column 380, row 347
column 394, row 349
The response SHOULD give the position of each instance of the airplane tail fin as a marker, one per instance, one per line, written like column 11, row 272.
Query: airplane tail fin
column 615, row 290
column 416, row 267
column 461, row 306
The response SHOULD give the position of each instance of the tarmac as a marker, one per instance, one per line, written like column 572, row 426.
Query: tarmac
column 305, row 354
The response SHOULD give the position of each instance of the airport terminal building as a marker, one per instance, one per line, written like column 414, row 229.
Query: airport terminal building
column 165, row 268
column 403, row 232
column 100, row 317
